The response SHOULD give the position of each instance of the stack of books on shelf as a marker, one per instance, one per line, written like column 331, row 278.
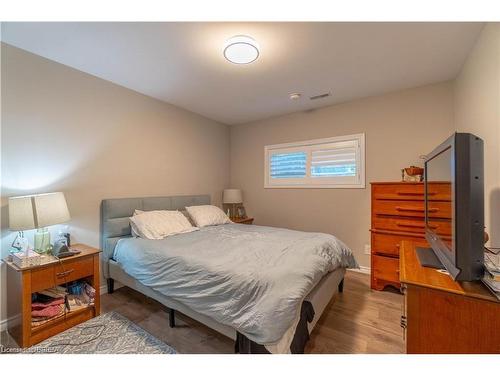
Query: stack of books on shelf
column 492, row 273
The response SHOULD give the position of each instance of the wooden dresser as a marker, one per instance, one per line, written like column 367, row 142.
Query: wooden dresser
column 443, row 316
column 397, row 215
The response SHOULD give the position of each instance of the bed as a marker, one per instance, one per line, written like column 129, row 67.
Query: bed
column 216, row 275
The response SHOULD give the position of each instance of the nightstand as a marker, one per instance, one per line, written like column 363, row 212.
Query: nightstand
column 239, row 220
column 23, row 282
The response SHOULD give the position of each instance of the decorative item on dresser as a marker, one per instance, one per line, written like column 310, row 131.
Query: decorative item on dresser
column 398, row 214
column 442, row 316
column 44, row 300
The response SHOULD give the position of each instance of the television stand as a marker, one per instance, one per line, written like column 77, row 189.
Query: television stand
column 443, row 316
column 427, row 258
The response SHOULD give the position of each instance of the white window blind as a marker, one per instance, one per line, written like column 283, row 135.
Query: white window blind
column 288, row 165
column 322, row 163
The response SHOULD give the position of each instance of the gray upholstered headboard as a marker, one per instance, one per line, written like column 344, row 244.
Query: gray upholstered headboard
column 115, row 215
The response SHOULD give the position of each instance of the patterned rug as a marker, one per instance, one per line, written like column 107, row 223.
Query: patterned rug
column 110, row 333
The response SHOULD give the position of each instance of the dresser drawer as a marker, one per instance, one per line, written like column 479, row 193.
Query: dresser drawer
column 411, row 208
column 437, row 191
column 413, row 225
column 389, row 244
column 385, row 268
column 72, row 270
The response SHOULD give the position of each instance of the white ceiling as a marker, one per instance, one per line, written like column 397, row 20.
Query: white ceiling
column 182, row 63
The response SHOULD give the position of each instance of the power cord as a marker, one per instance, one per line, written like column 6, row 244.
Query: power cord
column 66, row 304
column 100, row 325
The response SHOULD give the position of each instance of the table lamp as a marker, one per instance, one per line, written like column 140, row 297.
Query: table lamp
column 233, row 197
column 37, row 212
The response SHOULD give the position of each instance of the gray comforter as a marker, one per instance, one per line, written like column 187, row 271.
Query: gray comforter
column 249, row 277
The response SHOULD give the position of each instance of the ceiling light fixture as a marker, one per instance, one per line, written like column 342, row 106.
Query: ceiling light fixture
column 295, row 96
column 241, row 49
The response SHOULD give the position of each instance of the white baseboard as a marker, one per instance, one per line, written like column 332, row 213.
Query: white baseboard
column 5, row 322
column 104, row 288
column 361, row 269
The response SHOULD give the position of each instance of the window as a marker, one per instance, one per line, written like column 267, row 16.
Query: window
column 337, row 162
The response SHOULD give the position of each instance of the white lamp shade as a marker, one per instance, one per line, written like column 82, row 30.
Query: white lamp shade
column 21, row 213
column 232, row 196
column 37, row 211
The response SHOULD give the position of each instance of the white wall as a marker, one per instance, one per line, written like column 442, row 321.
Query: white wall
column 477, row 111
column 399, row 127
column 64, row 130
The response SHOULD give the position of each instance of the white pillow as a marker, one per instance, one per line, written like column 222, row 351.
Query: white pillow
column 133, row 228
column 207, row 215
column 155, row 225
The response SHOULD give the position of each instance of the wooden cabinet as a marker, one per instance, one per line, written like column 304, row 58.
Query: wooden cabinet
column 397, row 214
column 442, row 316
column 22, row 283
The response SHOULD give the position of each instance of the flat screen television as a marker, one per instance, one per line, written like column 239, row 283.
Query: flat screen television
column 454, row 227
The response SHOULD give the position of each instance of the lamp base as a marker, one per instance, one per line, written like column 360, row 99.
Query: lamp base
column 42, row 240
column 20, row 243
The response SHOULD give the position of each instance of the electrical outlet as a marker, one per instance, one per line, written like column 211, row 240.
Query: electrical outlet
column 368, row 249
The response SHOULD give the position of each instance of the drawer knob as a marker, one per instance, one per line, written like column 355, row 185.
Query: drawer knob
column 64, row 273
column 415, row 209
column 415, row 225
column 413, row 193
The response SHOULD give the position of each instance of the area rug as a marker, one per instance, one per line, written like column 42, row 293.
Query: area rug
column 110, row 333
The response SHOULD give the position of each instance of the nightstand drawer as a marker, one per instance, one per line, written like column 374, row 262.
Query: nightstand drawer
column 56, row 274
column 42, row 278
column 73, row 270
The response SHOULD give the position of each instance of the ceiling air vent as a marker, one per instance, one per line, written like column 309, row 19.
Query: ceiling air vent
column 320, row 96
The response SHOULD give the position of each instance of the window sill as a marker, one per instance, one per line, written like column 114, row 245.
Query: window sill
column 361, row 186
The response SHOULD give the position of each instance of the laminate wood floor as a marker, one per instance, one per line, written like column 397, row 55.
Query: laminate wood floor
column 359, row 320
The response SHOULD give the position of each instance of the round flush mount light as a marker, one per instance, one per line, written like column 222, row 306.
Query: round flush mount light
column 241, row 49
column 295, row 96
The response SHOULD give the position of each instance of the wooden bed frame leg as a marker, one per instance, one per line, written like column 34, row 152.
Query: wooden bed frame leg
column 171, row 318
column 111, row 285
column 341, row 286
